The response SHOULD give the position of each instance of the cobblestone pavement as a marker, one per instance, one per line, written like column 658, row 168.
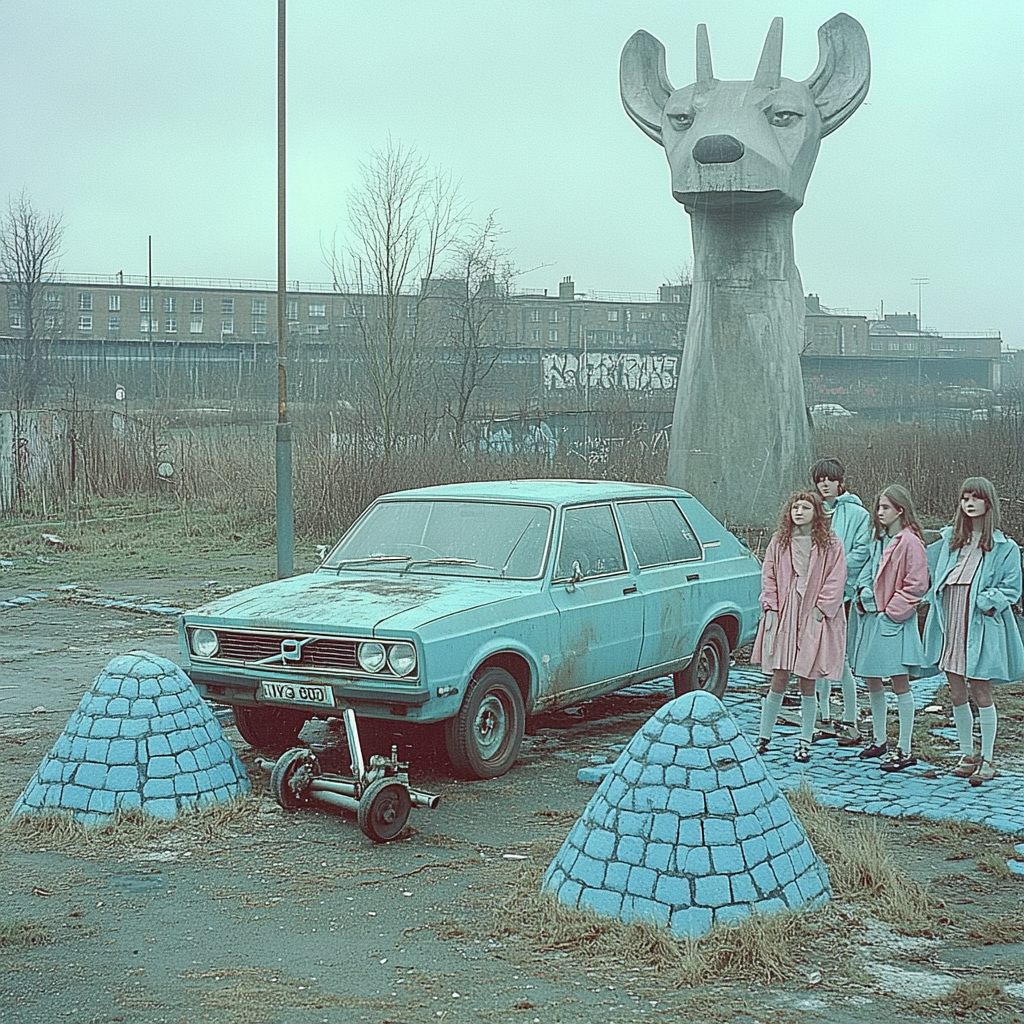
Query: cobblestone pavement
column 840, row 778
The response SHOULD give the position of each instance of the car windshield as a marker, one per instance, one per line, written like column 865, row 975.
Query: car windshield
column 457, row 538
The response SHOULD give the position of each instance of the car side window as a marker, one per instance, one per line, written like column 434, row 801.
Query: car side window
column 589, row 537
column 658, row 532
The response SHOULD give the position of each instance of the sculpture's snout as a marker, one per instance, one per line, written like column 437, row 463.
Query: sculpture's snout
column 717, row 149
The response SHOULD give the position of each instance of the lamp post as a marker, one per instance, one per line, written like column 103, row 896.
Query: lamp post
column 920, row 282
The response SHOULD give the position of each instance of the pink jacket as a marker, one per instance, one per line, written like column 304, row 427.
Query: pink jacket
column 821, row 646
column 901, row 577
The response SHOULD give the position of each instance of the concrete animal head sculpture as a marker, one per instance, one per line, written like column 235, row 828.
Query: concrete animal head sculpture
column 750, row 141
column 741, row 154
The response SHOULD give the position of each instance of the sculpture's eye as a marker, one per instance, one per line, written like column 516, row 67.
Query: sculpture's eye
column 784, row 118
column 681, row 121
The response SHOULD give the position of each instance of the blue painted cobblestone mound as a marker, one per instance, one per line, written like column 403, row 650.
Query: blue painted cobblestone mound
column 141, row 739
column 688, row 830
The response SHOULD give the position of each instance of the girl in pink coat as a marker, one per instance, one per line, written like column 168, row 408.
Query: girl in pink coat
column 803, row 628
column 884, row 638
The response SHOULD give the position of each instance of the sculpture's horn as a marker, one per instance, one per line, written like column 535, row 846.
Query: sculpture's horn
column 769, row 68
column 705, row 73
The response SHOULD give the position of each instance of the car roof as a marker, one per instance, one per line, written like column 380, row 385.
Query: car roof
column 548, row 491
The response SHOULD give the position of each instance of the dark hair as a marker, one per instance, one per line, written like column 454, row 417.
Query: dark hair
column 900, row 497
column 821, row 528
column 831, row 468
column 962, row 525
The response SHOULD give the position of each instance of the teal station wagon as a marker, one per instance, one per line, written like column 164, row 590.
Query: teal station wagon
column 476, row 605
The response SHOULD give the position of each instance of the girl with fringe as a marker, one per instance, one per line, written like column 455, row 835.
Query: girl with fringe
column 970, row 632
column 803, row 626
column 884, row 638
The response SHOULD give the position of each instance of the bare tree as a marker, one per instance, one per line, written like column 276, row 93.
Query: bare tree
column 403, row 217
column 472, row 322
column 30, row 250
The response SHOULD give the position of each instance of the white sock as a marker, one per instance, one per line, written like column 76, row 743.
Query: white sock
column 963, row 719
column 822, row 689
column 808, row 709
column 849, row 685
column 770, row 708
column 905, row 704
column 878, row 716
column 987, row 720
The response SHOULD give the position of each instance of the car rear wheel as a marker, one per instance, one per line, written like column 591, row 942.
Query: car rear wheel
column 483, row 739
column 270, row 729
column 709, row 668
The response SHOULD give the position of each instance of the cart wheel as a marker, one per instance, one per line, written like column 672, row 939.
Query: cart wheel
column 384, row 809
column 291, row 776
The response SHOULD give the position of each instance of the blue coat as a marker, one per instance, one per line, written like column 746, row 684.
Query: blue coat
column 851, row 523
column 994, row 647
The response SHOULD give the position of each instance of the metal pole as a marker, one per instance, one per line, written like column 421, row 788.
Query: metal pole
column 283, row 447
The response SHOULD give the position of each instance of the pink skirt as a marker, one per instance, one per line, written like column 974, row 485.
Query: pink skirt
column 955, row 609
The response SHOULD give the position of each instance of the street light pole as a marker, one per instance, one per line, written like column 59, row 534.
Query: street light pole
column 920, row 282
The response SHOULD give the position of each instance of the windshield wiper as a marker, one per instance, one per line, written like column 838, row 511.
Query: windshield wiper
column 447, row 561
column 370, row 560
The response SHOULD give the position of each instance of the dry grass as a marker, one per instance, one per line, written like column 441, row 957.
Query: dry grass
column 969, row 999
column 18, row 934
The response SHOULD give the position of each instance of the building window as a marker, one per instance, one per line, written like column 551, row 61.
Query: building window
column 410, row 309
column 85, row 300
column 170, row 304
column 314, row 329
column 357, row 309
column 645, row 314
column 85, row 323
column 16, row 320
column 613, row 314
column 552, row 335
column 114, row 325
column 535, row 316
column 195, row 325
column 197, row 305
column 536, row 334
column 318, row 309
column 292, row 308
column 13, row 299
column 171, row 325
column 552, row 316
column 227, row 306
column 144, row 306
column 909, row 346
column 259, row 327
column 259, row 307
column 894, row 346
column 876, row 346
column 148, row 323
column 227, row 325
column 409, row 333
column 114, row 303
column 52, row 300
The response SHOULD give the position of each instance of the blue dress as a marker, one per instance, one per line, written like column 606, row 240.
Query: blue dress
column 877, row 646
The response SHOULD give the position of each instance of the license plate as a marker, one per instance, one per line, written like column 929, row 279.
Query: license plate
column 295, row 693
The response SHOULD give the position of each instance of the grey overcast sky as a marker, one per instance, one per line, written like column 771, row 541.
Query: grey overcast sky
column 158, row 117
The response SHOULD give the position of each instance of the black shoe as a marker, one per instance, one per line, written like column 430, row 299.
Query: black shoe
column 802, row 754
column 762, row 745
column 875, row 750
column 897, row 761
column 848, row 735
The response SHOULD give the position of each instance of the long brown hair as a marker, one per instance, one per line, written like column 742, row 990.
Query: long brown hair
column 900, row 497
column 821, row 528
column 979, row 487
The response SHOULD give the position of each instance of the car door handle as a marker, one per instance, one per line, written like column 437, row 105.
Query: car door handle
column 630, row 590
column 693, row 576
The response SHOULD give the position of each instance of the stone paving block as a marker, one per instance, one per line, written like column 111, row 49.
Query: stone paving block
column 720, row 802
column 602, row 901
column 728, row 860
column 691, row 922
column 630, row 850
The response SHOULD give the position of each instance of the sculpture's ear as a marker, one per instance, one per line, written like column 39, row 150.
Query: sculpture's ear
column 840, row 81
column 643, row 83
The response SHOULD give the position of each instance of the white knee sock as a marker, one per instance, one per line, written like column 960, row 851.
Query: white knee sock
column 849, row 685
column 822, row 689
column 878, row 716
column 987, row 720
column 808, row 709
column 963, row 719
column 770, row 708
column 905, row 704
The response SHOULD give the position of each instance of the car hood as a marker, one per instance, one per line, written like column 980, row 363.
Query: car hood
column 357, row 601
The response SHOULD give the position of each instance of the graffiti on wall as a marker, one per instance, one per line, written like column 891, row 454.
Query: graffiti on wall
column 629, row 371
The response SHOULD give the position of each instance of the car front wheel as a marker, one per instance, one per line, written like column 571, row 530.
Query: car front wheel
column 483, row 738
column 268, row 728
column 709, row 668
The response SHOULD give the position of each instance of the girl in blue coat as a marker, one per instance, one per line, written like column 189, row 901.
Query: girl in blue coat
column 970, row 632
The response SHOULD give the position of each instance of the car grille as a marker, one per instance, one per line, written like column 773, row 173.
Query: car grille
column 324, row 653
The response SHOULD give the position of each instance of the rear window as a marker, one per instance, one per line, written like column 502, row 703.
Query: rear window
column 658, row 532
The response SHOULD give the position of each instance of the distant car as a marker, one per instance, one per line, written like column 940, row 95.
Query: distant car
column 830, row 409
column 478, row 604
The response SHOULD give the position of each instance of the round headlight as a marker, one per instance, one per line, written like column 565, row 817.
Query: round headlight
column 402, row 659
column 371, row 657
column 204, row 643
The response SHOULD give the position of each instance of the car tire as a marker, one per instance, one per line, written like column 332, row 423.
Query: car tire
column 483, row 739
column 709, row 668
column 269, row 729
column 285, row 768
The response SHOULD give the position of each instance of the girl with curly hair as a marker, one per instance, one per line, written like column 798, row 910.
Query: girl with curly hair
column 803, row 628
column 884, row 638
column 970, row 632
